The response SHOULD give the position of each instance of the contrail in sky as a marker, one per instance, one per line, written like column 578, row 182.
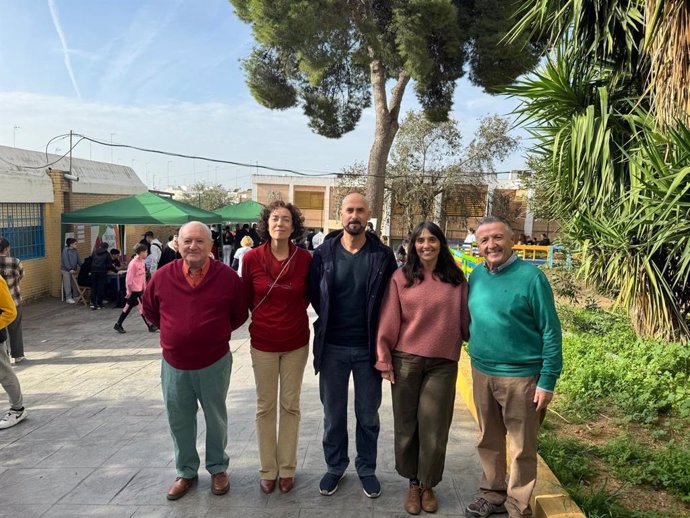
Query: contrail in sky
column 65, row 50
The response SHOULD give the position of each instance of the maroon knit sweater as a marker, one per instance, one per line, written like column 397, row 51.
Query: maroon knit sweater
column 195, row 323
column 427, row 319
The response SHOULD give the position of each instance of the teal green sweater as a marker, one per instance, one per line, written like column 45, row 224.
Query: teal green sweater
column 514, row 328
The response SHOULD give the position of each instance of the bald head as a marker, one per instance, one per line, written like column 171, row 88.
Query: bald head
column 357, row 197
column 194, row 244
column 354, row 213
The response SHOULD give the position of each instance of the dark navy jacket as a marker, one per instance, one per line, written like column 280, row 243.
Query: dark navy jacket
column 322, row 278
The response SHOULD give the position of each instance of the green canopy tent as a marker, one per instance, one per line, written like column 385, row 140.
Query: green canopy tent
column 145, row 209
column 243, row 212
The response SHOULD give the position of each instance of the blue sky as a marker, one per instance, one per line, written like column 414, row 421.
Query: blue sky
column 165, row 74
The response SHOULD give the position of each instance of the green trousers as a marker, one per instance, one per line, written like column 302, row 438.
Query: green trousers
column 183, row 392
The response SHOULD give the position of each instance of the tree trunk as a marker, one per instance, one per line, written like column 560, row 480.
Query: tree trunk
column 386, row 128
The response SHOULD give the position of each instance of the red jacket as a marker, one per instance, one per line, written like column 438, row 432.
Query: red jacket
column 279, row 323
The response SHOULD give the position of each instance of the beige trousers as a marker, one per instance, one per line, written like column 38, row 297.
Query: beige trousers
column 278, row 442
column 506, row 405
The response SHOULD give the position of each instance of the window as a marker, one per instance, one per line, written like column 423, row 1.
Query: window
column 22, row 225
column 309, row 200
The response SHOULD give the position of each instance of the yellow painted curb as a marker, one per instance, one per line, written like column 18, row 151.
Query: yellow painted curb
column 549, row 499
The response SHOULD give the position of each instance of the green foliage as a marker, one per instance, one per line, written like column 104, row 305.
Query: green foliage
column 318, row 53
column 206, row 196
column 616, row 181
column 605, row 362
column 568, row 458
column 564, row 285
column 666, row 468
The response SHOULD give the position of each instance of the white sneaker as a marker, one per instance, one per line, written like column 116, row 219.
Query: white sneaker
column 12, row 417
column 70, row 301
column 19, row 359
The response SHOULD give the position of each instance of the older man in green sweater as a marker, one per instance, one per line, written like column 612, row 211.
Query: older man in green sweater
column 515, row 347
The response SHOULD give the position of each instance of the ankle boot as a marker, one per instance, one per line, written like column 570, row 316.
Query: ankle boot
column 429, row 502
column 412, row 502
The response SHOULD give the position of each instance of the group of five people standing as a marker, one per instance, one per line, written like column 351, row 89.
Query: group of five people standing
column 374, row 322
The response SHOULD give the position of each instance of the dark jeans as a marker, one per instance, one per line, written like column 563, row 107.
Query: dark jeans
column 16, row 335
column 338, row 363
column 98, row 280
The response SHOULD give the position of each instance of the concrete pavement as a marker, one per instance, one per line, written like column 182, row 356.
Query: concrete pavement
column 96, row 441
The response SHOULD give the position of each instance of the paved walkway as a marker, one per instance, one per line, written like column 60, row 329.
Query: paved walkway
column 96, row 442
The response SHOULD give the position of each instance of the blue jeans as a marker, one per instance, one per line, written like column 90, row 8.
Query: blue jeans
column 338, row 362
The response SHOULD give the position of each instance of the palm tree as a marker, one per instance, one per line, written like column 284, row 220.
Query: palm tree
column 617, row 180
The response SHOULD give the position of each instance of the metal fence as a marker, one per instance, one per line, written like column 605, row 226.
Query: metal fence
column 22, row 225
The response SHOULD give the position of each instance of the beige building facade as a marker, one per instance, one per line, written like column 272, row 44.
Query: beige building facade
column 35, row 190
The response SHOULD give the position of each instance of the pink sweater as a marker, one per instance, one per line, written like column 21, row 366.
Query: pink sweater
column 427, row 319
column 136, row 276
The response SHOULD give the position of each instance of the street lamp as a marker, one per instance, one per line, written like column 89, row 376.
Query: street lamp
column 14, row 135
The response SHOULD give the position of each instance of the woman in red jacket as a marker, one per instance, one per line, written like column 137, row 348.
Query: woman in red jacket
column 275, row 277
column 424, row 320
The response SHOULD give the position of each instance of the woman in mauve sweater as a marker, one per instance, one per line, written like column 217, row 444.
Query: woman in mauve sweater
column 135, row 283
column 424, row 321
column 275, row 278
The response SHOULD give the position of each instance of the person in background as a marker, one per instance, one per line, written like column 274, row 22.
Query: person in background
column 101, row 264
column 237, row 243
column 12, row 270
column 254, row 234
column 310, row 236
column 522, row 240
column 275, row 278
column 370, row 228
column 544, row 241
column 424, row 321
column 228, row 238
column 69, row 264
column 317, row 240
column 8, row 379
column 154, row 255
column 170, row 252
column 135, row 284
column 247, row 244
column 516, row 352
column 115, row 256
column 197, row 303
column 470, row 237
column 146, row 239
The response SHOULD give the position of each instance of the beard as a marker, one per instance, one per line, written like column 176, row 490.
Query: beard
column 354, row 228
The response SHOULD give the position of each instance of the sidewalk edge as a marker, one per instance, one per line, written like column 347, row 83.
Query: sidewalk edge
column 549, row 500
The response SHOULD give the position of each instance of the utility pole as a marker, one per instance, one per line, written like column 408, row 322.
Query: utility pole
column 111, row 147
column 14, row 135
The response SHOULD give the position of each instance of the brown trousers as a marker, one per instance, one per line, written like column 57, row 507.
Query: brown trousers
column 423, row 396
column 506, row 405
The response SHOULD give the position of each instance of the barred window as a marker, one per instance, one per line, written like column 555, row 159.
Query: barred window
column 22, row 225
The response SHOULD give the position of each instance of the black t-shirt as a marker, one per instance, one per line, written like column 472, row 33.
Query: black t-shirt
column 347, row 321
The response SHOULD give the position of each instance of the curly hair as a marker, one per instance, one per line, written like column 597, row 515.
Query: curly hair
column 295, row 213
column 247, row 241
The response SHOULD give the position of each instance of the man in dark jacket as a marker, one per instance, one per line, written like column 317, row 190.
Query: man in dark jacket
column 353, row 268
column 101, row 263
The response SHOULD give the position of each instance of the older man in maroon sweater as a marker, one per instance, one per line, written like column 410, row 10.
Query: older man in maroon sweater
column 196, row 303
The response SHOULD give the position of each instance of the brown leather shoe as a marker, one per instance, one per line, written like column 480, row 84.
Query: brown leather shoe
column 180, row 487
column 429, row 502
column 412, row 502
column 267, row 486
column 286, row 484
column 220, row 483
